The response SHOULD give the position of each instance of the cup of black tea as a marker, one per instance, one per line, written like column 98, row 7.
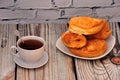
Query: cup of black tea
column 30, row 48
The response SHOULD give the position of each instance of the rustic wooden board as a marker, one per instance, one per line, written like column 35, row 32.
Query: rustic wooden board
column 101, row 69
column 59, row 66
column 92, row 70
column 112, row 69
column 22, row 73
column 7, row 39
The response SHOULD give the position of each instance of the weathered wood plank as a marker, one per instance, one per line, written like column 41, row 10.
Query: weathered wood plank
column 92, row 70
column 22, row 73
column 100, row 69
column 59, row 66
column 112, row 69
column 7, row 39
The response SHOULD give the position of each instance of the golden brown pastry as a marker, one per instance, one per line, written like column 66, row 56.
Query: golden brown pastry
column 104, row 33
column 85, row 25
column 73, row 40
column 94, row 48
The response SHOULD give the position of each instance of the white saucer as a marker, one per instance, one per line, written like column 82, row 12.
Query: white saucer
column 24, row 64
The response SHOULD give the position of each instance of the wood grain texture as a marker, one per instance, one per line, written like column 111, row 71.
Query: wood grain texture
column 101, row 69
column 7, row 39
column 59, row 65
column 112, row 69
column 22, row 73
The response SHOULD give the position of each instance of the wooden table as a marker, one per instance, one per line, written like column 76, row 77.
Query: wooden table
column 60, row 66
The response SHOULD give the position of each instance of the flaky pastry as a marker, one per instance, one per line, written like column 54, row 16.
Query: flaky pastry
column 73, row 40
column 94, row 48
column 104, row 33
column 85, row 25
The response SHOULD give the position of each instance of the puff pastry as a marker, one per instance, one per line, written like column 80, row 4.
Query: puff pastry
column 94, row 48
column 73, row 40
column 85, row 25
column 104, row 33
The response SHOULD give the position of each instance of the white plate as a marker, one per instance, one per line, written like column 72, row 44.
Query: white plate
column 24, row 64
column 110, row 41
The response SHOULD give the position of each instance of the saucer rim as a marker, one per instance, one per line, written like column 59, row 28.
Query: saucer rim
column 19, row 63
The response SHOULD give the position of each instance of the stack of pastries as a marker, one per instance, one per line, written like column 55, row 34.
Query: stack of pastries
column 86, row 36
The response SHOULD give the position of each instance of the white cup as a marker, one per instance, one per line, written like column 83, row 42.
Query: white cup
column 28, row 54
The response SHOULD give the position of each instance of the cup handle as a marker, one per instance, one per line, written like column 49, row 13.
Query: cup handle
column 13, row 53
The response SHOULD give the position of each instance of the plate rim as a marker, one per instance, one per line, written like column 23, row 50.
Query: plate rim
column 93, row 58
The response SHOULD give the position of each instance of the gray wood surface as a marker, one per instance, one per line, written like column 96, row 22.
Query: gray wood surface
column 7, row 39
column 60, row 66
